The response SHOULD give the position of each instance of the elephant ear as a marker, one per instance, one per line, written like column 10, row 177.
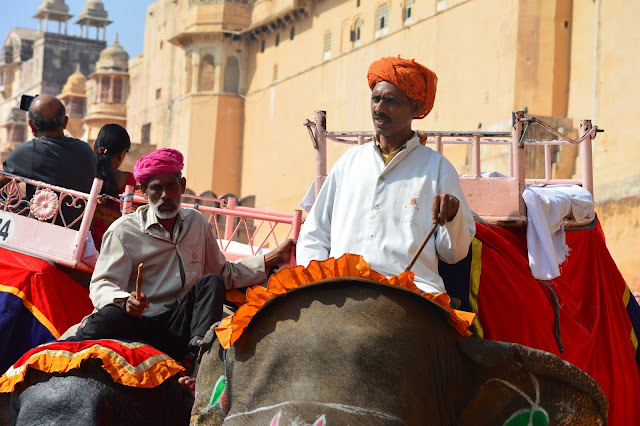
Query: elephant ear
column 517, row 385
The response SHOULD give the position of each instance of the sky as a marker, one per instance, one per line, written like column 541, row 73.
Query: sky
column 128, row 18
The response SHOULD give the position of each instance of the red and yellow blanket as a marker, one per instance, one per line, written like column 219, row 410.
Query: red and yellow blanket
column 129, row 363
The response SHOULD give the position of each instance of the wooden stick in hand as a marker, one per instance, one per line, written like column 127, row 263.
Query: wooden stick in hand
column 424, row 243
column 139, row 284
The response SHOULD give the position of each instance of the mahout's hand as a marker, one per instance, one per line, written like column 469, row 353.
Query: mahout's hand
column 134, row 306
column 444, row 208
column 280, row 254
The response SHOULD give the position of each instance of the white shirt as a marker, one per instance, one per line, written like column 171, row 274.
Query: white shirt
column 384, row 212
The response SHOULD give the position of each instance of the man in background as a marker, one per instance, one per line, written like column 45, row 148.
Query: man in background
column 51, row 157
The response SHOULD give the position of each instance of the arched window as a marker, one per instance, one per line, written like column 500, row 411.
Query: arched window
column 105, row 86
column 206, row 75
column 77, row 106
column 382, row 20
column 327, row 45
column 292, row 33
column 357, row 29
column 232, row 75
column 117, row 90
column 406, row 12
column 277, row 39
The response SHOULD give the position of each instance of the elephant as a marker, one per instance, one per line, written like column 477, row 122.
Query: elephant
column 89, row 396
column 347, row 351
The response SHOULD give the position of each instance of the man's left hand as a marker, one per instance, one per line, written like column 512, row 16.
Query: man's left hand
column 444, row 208
column 280, row 254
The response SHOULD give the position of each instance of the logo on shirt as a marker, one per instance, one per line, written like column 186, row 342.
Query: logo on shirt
column 413, row 202
column 195, row 256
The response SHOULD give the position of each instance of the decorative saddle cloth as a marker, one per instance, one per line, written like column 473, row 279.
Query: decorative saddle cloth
column 129, row 363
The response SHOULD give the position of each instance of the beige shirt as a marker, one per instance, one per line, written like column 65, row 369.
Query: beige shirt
column 172, row 263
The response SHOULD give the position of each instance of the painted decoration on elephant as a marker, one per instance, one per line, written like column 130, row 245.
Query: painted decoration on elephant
column 219, row 395
column 534, row 416
column 321, row 421
column 528, row 417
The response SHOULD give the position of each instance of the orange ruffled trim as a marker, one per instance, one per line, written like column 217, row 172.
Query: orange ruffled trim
column 349, row 265
column 150, row 373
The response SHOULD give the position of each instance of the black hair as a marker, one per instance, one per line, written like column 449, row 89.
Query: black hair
column 111, row 141
column 44, row 124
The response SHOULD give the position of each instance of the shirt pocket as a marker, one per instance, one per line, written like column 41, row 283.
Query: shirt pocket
column 412, row 205
column 193, row 258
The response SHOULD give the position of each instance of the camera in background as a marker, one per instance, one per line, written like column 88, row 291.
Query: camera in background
column 25, row 102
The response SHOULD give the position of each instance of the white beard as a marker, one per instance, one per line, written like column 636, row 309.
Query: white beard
column 163, row 214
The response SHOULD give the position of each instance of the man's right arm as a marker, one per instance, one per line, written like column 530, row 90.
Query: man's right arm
column 314, row 242
column 111, row 275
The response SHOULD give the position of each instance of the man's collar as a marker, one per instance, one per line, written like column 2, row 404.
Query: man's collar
column 382, row 150
column 404, row 145
column 387, row 158
column 148, row 218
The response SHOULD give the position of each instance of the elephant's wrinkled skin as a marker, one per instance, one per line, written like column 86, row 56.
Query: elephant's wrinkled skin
column 363, row 354
column 88, row 396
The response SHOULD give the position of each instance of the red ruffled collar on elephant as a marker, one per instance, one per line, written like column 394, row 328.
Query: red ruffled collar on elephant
column 349, row 265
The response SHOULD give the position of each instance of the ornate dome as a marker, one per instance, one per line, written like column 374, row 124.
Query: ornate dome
column 114, row 57
column 75, row 84
column 53, row 6
column 56, row 10
column 94, row 9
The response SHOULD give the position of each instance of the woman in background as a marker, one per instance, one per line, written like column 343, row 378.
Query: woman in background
column 111, row 147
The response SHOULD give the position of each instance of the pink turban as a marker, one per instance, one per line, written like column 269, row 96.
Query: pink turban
column 164, row 160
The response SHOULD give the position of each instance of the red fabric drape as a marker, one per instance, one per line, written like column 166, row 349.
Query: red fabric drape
column 46, row 291
column 596, row 330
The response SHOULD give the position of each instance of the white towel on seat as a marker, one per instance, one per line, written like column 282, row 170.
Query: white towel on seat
column 547, row 206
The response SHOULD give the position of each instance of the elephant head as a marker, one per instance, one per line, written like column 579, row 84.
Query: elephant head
column 354, row 352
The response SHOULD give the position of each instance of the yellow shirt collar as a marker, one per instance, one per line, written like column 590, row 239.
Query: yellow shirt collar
column 387, row 157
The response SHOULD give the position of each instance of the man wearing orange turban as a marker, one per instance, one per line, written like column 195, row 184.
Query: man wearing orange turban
column 381, row 199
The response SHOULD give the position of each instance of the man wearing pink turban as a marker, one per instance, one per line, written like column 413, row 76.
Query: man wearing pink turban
column 381, row 199
column 185, row 275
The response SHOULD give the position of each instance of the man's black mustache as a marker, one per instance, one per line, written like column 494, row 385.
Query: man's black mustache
column 382, row 116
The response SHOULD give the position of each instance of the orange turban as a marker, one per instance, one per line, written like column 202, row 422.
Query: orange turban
column 414, row 80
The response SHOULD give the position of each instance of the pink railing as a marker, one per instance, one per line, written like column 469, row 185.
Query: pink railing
column 255, row 227
column 481, row 192
column 39, row 226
